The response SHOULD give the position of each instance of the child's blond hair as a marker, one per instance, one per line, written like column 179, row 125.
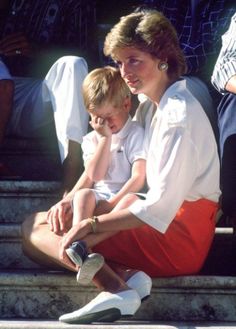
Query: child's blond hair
column 104, row 85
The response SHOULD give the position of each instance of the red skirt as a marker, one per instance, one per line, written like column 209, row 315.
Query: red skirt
column 181, row 250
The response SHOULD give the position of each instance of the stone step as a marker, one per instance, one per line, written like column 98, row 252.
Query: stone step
column 46, row 295
column 51, row 324
column 44, row 144
column 11, row 254
column 32, row 159
column 33, row 166
column 21, row 198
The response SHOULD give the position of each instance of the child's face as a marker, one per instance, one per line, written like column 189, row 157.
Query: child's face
column 115, row 117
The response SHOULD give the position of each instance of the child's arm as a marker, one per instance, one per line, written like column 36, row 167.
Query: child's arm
column 83, row 182
column 96, row 167
column 135, row 182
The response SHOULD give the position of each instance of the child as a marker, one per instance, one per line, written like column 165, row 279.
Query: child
column 113, row 155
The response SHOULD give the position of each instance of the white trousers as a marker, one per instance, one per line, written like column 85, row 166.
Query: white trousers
column 59, row 97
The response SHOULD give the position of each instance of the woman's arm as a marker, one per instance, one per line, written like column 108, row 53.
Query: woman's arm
column 106, row 225
column 231, row 84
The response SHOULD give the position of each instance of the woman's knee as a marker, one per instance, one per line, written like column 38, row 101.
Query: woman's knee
column 31, row 225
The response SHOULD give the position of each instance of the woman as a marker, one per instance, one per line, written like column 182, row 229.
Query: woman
column 169, row 230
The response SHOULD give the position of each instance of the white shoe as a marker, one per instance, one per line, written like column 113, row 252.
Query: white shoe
column 106, row 307
column 91, row 265
column 142, row 283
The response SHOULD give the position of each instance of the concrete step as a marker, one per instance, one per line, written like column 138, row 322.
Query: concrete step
column 20, row 198
column 11, row 254
column 51, row 324
column 46, row 295
column 32, row 159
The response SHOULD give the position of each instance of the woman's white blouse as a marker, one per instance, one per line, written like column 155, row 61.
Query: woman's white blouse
column 182, row 157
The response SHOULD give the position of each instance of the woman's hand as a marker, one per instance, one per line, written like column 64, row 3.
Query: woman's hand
column 77, row 232
column 60, row 215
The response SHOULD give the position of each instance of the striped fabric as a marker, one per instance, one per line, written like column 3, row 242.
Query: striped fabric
column 225, row 66
column 199, row 25
column 54, row 22
column 59, row 27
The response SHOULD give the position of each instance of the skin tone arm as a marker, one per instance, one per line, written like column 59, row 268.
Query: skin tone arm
column 97, row 166
column 134, row 184
column 231, row 85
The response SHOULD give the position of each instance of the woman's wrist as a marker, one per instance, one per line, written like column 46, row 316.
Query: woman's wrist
column 93, row 221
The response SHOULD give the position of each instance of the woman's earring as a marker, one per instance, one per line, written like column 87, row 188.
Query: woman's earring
column 163, row 66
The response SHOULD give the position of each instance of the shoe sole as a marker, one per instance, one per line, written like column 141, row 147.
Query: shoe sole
column 145, row 298
column 74, row 256
column 109, row 315
column 92, row 264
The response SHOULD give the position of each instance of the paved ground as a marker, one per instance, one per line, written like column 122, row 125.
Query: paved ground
column 30, row 324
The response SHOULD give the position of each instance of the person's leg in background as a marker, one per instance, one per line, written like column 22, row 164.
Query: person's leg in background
column 6, row 100
column 38, row 102
column 64, row 83
column 227, row 128
column 201, row 92
column 6, row 103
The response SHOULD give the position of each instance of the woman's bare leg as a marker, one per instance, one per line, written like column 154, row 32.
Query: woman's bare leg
column 40, row 243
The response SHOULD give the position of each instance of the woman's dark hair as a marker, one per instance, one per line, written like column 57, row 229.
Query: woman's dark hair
column 151, row 32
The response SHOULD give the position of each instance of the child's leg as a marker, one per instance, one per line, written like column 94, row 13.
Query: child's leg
column 84, row 204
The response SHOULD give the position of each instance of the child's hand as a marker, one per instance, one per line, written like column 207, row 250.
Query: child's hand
column 101, row 126
column 59, row 216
